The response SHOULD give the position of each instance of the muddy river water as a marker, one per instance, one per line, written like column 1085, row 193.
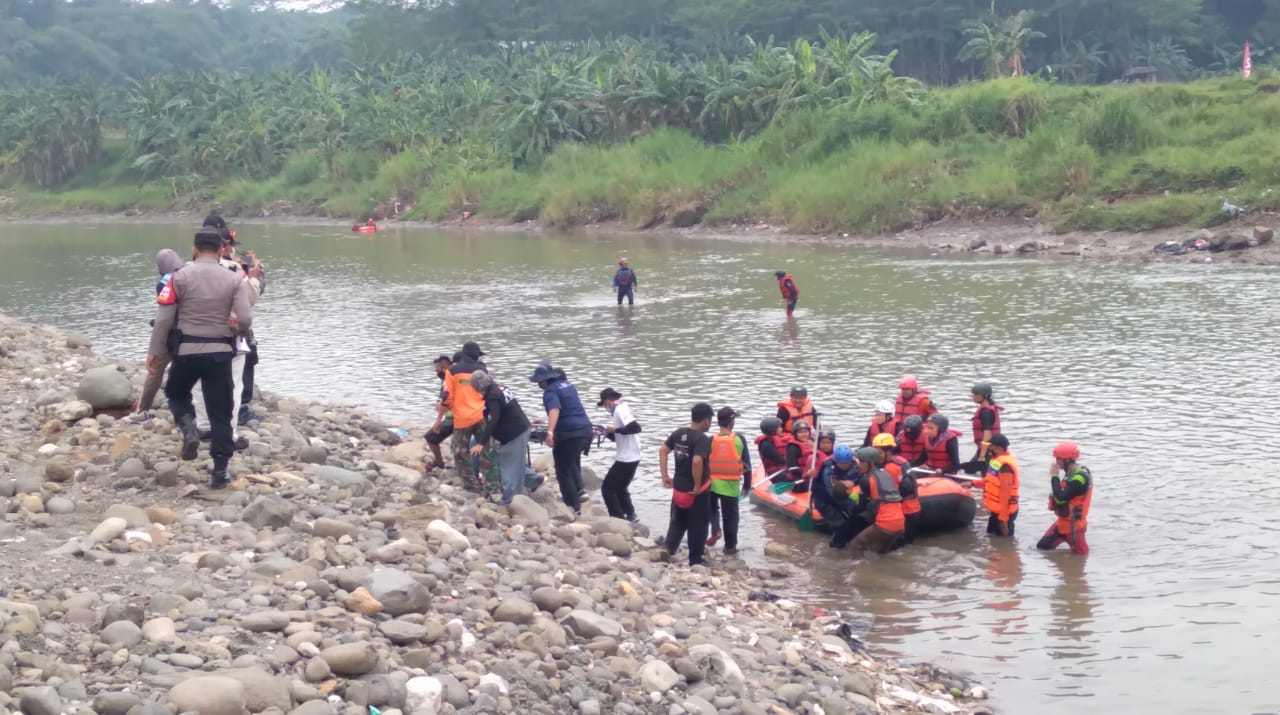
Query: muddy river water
column 1164, row 374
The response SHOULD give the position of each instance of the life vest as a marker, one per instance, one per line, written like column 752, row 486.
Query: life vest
column 624, row 277
column 780, row 444
column 806, row 456
column 900, row 469
column 890, row 426
column 915, row 406
column 884, row 506
column 788, row 286
column 977, row 422
column 992, row 498
column 935, row 453
column 803, row 412
column 1077, row 508
column 911, row 449
column 725, row 462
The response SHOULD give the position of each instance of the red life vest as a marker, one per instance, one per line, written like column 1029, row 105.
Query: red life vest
column 779, row 443
column 902, row 410
column 900, row 469
column 788, row 286
column 624, row 277
column 806, row 456
column 977, row 422
column 935, row 452
column 890, row 426
column 803, row 412
column 884, row 507
column 911, row 449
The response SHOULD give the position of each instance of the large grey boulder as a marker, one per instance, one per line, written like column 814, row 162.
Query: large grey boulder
column 105, row 388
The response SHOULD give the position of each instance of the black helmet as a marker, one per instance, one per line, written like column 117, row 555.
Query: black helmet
column 940, row 421
column 981, row 388
column 913, row 425
column 799, row 391
column 770, row 425
column 827, row 434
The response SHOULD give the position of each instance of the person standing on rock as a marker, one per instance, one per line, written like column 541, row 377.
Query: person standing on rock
column 443, row 427
column 167, row 262
column 625, row 282
column 227, row 260
column 1071, row 484
column 467, row 405
column 690, row 489
column 625, row 432
column 193, row 327
column 568, row 431
column 507, row 424
column 790, row 291
column 729, row 469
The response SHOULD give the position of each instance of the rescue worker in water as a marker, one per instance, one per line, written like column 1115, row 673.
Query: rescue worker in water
column 999, row 487
column 790, row 291
column 1072, row 486
column 625, row 282
column 881, row 504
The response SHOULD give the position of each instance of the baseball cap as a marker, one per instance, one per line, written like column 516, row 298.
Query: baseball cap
column 608, row 393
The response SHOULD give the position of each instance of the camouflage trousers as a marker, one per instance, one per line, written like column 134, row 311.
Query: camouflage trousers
column 480, row 474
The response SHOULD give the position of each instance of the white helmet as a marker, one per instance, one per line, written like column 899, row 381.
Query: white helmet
column 884, row 407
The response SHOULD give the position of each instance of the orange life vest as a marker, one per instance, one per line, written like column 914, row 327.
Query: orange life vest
column 936, row 456
column 992, row 497
column 803, row 412
column 899, row 469
column 977, row 422
column 884, row 506
column 1077, row 508
column 919, row 404
column 725, row 461
column 911, row 449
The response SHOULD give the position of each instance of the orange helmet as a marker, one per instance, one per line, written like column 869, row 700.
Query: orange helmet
column 1067, row 450
column 908, row 382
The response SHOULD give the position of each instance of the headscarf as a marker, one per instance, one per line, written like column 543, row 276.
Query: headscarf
column 167, row 261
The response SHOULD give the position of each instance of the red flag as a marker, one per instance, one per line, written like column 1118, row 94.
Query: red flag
column 1248, row 62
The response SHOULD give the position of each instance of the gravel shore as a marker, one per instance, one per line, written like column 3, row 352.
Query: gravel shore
column 336, row 577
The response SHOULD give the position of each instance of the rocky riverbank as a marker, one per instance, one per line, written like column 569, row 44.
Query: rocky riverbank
column 334, row 577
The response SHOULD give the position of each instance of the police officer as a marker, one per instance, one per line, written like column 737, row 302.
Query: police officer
column 193, row 326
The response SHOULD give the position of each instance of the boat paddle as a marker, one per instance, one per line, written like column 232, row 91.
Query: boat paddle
column 805, row 522
column 957, row 477
column 745, row 493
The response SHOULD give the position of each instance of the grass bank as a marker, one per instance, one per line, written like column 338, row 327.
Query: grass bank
column 1089, row 158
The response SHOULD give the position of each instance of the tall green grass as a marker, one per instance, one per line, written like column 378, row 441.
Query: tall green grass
column 1114, row 157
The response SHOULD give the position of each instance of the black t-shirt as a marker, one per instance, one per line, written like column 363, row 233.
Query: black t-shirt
column 686, row 443
column 986, row 418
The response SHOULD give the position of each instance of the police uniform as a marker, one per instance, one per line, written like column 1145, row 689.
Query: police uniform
column 193, row 326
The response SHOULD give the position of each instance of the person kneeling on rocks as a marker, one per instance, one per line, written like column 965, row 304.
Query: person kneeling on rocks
column 193, row 326
column 506, row 423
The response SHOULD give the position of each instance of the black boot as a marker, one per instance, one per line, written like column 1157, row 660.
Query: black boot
column 219, row 479
column 190, row 437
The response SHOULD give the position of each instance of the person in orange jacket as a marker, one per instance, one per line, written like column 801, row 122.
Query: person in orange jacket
column 1072, row 486
column 790, row 291
column 999, row 487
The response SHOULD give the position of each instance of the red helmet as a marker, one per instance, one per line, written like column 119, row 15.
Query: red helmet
column 1067, row 450
column 908, row 382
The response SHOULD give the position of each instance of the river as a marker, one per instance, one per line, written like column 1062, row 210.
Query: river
column 1162, row 373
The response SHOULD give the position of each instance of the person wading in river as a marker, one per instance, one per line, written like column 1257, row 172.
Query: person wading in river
column 1072, row 487
column 730, row 470
column 790, row 291
column 625, row 432
column 986, row 424
column 1000, row 488
column 881, row 506
column 690, row 489
column 625, row 283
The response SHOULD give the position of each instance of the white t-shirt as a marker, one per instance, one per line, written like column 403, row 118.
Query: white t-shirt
column 628, row 444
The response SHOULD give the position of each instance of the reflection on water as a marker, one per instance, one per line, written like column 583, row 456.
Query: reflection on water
column 1162, row 373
